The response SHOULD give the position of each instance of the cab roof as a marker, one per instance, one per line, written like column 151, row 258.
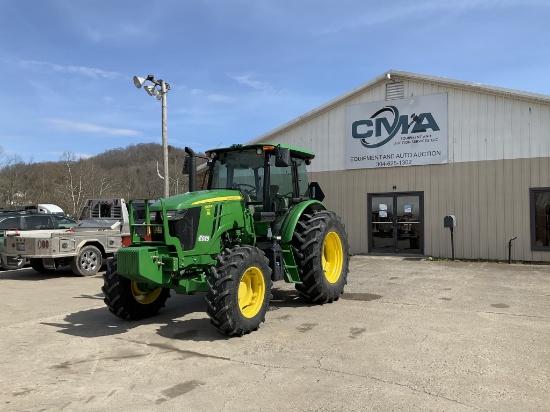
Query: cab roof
column 294, row 151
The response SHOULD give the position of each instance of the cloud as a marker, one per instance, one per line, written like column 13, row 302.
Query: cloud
column 220, row 98
column 248, row 80
column 81, row 70
column 402, row 11
column 81, row 127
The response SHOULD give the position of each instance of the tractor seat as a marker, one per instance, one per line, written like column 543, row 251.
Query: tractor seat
column 279, row 203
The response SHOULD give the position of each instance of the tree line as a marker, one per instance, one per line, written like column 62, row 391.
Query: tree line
column 130, row 173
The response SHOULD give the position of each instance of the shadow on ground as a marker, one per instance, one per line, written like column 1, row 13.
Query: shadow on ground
column 96, row 322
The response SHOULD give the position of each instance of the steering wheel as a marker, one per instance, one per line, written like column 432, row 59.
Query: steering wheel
column 249, row 191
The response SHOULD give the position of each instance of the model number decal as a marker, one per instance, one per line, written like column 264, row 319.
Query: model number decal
column 204, row 238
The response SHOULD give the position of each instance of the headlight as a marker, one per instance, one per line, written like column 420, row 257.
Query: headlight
column 175, row 214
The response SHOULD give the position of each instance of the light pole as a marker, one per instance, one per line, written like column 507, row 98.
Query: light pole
column 160, row 95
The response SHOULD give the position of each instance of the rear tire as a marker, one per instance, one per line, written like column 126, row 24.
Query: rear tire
column 321, row 250
column 87, row 262
column 130, row 300
column 239, row 291
column 38, row 266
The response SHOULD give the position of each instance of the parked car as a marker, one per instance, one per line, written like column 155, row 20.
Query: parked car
column 29, row 221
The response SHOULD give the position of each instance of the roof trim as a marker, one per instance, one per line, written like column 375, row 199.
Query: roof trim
column 401, row 75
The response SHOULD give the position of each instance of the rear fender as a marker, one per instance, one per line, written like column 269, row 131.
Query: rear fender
column 291, row 219
column 286, row 231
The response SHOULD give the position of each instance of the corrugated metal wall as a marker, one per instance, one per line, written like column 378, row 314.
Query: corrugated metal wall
column 499, row 147
column 489, row 199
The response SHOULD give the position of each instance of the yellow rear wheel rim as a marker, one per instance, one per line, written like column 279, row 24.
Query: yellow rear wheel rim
column 251, row 292
column 333, row 257
column 145, row 297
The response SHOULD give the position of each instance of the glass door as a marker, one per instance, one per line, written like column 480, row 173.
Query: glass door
column 395, row 220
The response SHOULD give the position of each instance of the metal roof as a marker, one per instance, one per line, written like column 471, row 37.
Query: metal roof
column 401, row 75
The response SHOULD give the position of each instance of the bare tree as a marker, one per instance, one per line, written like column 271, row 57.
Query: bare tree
column 129, row 172
column 74, row 185
column 13, row 188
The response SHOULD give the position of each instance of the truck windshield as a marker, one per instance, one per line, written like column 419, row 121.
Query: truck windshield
column 240, row 170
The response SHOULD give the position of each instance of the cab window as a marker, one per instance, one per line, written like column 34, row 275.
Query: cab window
column 38, row 222
column 64, row 222
column 10, row 223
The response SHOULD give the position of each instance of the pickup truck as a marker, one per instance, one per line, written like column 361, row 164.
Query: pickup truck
column 24, row 220
column 102, row 229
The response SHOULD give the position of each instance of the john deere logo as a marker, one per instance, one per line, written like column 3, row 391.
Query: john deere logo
column 378, row 127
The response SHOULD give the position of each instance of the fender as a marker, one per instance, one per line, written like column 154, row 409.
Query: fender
column 286, row 230
column 291, row 219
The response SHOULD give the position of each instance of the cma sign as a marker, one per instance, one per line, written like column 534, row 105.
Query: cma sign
column 387, row 122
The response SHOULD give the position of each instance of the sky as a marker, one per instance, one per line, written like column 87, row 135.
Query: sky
column 236, row 68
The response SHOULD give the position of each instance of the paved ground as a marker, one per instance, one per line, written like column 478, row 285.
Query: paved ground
column 408, row 335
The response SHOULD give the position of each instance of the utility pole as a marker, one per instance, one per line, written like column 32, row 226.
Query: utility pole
column 160, row 95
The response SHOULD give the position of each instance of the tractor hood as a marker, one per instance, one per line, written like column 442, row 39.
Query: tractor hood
column 194, row 199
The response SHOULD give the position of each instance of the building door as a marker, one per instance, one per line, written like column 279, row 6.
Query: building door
column 396, row 222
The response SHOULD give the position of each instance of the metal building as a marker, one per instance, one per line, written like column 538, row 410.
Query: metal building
column 398, row 154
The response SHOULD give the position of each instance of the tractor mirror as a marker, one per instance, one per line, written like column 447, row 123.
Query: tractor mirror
column 282, row 157
column 316, row 192
column 185, row 170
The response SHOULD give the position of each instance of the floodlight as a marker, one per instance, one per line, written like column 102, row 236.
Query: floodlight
column 150, row 90
column 138, row 81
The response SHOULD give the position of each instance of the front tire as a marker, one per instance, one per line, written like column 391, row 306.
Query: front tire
column 239, row 291
column 130, row 300
column 87, row 262
column 321, row 250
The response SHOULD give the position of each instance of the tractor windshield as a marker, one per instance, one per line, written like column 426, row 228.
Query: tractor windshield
column 240, row 170
column 243, row 170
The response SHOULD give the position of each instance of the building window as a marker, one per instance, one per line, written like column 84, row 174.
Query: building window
column 540, row 218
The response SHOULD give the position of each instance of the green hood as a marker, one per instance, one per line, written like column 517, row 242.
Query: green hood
column 194, row 199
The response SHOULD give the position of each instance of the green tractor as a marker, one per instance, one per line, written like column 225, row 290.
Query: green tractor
column 259, row 221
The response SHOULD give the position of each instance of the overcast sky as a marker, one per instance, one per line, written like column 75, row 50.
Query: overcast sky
column 237, row 68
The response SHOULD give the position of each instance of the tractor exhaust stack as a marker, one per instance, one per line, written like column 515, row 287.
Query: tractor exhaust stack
column 191, row 168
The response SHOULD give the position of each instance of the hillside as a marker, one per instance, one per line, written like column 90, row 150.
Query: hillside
column 129, row 172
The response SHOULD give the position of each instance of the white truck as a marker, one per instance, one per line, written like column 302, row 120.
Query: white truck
column 44, row 208
column 102, row 229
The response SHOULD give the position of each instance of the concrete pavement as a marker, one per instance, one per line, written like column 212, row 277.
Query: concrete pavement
column 407, row 335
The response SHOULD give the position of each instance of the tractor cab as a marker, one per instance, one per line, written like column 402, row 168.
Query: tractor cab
column 271, row 178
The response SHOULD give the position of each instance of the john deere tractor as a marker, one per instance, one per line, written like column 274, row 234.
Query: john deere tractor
column 257, row 222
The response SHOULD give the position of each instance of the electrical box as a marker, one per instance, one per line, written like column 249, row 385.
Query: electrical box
column 449, row 221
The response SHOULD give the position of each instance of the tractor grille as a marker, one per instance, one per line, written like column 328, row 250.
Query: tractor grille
column 185, row 229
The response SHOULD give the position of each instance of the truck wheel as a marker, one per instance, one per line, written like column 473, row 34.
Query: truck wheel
column 87, row 262
column 239, row 290
column 130, row 300
column 38, row 265
column 321, row 250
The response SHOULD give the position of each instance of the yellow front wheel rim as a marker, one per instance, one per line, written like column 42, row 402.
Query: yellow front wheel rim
column 251, row 292
column 333, row 257
column 143, row 296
